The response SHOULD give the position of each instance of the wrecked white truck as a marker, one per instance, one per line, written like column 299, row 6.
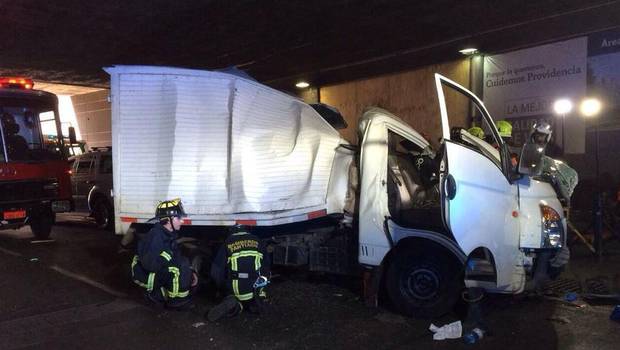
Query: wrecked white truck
column 421, row 223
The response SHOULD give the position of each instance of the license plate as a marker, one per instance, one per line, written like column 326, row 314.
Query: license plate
column 14, row 214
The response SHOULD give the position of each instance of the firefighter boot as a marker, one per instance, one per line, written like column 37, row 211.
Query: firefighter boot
column 229, row 307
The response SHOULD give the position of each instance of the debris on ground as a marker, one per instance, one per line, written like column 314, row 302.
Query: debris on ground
column 452, row 330
column 473, row 336
column 615, row 314
column 198, row 324
column 570, row 296
column 575, row 303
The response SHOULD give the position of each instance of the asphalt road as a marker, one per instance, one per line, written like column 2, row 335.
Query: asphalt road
column 74, row 292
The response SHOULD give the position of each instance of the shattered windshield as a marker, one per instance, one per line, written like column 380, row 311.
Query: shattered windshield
column 21, row 126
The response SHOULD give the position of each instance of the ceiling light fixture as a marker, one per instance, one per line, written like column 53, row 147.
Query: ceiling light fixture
column 302, row 84
column 468, row 51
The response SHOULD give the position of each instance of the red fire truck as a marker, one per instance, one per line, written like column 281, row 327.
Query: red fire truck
column 34, row 172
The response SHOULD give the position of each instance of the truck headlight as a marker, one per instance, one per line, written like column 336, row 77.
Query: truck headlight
column 552, row 228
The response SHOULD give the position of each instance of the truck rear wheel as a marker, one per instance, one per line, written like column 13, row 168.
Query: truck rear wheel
column 41, row 223
column 103, row 214
column 423, row 282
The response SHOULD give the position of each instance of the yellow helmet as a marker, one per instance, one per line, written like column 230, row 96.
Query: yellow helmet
column 504, row 128
column 477, row 132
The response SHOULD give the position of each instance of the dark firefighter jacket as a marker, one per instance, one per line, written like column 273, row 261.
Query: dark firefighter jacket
column 238, row 264
column 159, row 263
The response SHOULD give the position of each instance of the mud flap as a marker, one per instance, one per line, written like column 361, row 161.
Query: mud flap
column 371, row 280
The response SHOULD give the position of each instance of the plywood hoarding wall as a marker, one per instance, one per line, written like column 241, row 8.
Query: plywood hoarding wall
column 93, row 114
column 409, row 95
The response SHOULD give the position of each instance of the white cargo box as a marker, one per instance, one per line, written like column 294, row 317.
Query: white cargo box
column 232, row 149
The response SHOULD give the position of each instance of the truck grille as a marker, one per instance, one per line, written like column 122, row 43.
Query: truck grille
column 18, row 191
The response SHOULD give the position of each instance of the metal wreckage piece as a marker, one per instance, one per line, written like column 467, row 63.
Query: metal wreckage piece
column 563, row 178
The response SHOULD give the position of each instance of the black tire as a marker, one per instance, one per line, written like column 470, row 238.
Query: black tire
column 424, row 283
column 200, row 261
column 41, row 223
column 103, row 214
column 200, row 264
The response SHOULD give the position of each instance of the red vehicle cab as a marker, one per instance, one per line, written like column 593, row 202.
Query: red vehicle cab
column 34, row 172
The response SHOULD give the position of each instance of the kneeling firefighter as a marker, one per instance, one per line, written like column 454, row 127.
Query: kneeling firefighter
column 241, row 270
column 159, row 266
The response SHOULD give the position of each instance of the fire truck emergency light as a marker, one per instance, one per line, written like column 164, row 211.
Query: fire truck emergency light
column 16, row 83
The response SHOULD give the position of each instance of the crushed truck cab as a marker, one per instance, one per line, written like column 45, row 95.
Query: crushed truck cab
column 463, row 210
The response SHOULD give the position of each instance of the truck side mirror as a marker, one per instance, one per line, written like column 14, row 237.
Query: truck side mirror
column 72, row 137
column 530, row 162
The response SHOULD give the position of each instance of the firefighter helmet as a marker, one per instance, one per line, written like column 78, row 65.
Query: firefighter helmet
column 541, row 133
column 504, row 128
column 170, row 208
column 477, row 132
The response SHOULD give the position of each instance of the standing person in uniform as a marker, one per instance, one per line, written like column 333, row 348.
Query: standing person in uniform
column 505, row 132
column 242, row 271
column 159, row 266
column 16, row 144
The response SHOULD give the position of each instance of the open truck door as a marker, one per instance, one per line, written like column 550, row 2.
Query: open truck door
column 479, row 201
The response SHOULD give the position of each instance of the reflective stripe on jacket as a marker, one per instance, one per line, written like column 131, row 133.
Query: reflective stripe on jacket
column 244, row 261
column 159, row 264
column 140, row 276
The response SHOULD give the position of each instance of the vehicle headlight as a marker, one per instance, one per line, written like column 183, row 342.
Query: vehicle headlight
column 552, row 228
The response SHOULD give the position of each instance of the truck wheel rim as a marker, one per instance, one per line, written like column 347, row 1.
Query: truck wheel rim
column 422, row 284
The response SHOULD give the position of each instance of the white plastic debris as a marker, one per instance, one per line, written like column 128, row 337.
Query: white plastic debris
column 452, row 330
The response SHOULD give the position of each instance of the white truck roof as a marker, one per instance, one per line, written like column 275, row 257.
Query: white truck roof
column 231, row 148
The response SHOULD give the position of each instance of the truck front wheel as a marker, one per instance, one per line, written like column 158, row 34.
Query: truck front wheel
column 41, row 223
column 423, row 282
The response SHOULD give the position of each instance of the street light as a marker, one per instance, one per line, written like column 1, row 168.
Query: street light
column 562, row 107
column 590, row 108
